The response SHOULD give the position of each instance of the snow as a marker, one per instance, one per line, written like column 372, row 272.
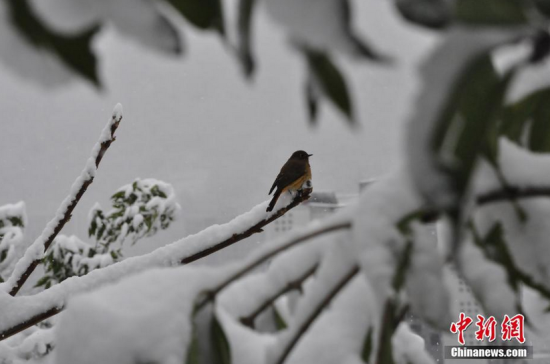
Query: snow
column 345, row 322
column 408, row 348
column 480, row 273
column 11, row 239
column 28, row 347
column 36, row 250
column 377, row 240
column 135, row 325
column 425, row 286
column 80, row 251
column 142, row 21
column 336, row 263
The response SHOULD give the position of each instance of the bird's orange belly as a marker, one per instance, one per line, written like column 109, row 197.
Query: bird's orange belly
column 296, row 185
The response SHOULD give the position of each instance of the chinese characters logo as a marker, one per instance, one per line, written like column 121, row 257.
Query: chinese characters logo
column 511, row 328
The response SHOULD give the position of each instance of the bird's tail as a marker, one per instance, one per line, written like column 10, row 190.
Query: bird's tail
column 274, row 200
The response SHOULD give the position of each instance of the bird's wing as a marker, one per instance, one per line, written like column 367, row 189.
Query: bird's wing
column 291, row 171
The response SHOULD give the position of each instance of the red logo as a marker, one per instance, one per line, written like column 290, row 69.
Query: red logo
column 511, row 328
column 459, row 327
column 486, row 328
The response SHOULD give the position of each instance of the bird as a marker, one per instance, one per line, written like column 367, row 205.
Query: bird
column 292, row 176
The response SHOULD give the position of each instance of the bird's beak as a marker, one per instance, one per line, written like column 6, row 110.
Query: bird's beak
column 309, row 155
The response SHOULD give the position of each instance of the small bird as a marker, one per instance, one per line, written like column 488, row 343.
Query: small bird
column 292, row 176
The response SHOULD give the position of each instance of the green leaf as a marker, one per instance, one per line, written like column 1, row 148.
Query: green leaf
column 433, row 14
column 118, row 195
column 101, row 231
column 42, row 281
column 385, row 354
column 491, row 12
column 222, row 350
column 3, row 255
column 367, row 346
column 244, row 46
column 330, row 81
column 193, row 350
column 280, row 323
column 74, row 51
column 16, row 221
column 528, row 117
column 204, row 14
column 402, row 267
column 93, row 227
column 539, row 135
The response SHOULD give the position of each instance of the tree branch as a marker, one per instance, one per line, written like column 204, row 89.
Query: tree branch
column 292, row 285
column 211, row 294
column 316, row 312
column 180, row 252
column 250, row 231
column 512, row 193
column 29, row 262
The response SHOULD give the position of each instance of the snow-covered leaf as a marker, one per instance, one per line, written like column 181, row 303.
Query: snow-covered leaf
column 408, row 348
column 460, row 101
column 424, row 284
column 141, row 20
column 329, row 81
column 13, row 219
column 488, row 280
column 204, row 14
column 323, row 25
column 435, row 14
column 74, row 51
column 491, row 12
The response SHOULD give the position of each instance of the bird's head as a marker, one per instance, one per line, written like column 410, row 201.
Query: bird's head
column 300, row 155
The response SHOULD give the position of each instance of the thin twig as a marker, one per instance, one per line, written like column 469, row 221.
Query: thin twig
column 67, row 206
column 316, row 312
column 30, row 322
column 250, row 231
column 512, row 193
column 290, row 286
column 211, row 294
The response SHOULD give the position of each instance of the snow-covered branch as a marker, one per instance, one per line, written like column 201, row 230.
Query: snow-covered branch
column 34, row 309
column 296, row 284
column 35, row 252
column 326, row 300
